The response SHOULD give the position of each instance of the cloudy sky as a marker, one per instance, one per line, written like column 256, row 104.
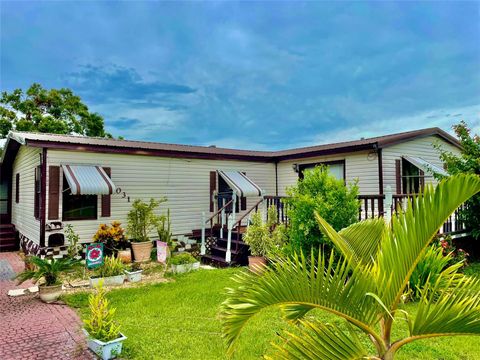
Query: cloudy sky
column 252, row 75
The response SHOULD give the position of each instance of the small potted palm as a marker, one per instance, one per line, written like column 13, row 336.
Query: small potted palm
column 110, row 273
column 104, row 336
column 142, row 221
column 50, row 271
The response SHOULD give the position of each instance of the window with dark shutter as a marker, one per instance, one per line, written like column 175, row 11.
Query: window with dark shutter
column 398, row 176
column 106, row 199
column 17, row 188
column 53, row 192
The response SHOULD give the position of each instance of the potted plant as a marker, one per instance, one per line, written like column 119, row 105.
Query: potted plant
column 110, row 273
column 135, row 273
column 73, row 239
column 104, row 336
column 49, row 270
column 142, row 220
column 114, row 240
column 182, row 263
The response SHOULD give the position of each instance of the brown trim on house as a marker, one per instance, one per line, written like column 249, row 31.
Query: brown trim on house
column 43, row 196
column 398, row 175
column 213, row 187
column 106, row 205
column 324, row 152
column 53, row 192
column 380, row 171
column 17, row 188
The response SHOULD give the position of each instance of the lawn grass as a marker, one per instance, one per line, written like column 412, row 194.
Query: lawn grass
column 179, row 320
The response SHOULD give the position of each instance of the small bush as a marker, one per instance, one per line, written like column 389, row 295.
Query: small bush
column 321, row 192
column 101, row 325
column 182, row 259
column 112, row 266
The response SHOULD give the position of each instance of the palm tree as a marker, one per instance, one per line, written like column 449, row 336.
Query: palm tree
column 364, row 287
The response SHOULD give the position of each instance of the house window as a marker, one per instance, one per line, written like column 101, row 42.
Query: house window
column 36, row 200
column 78, row 207
column 336, row 168
column 17, row 188
column 412, row 178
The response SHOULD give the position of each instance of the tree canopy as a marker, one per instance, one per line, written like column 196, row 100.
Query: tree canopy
column 57, row 111
column 467, row 163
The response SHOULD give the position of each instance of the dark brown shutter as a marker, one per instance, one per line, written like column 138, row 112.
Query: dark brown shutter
column 213, row 187
column 17, row 188
column 398, row 175
column 243, row 200
column 106, row 199
column 36, row 186
column 53, row 192
column 421, row 179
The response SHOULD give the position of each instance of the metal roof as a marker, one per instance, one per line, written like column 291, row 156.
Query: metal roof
column 84, row 143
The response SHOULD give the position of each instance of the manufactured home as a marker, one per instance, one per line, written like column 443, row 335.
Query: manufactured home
column 49, row 181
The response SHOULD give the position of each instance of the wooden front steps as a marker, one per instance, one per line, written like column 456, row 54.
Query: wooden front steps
column 8, row 238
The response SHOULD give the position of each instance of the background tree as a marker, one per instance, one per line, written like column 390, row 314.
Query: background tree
column 320, row 192
column 57, row 111
column 467, row 163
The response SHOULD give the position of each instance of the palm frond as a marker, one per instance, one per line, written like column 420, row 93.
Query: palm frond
column 315, row 341
column 297, row 286
column 413, row 230
column 359, row 242
column 450, row 307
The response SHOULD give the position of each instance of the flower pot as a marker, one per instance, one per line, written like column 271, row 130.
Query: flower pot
column 142, row 250
column 134, row 276
column 257, row 264
column 108, row 281
column 178, row 269
column 49, row 294
column 125, row 256
column 196, row 265
column 106, row 350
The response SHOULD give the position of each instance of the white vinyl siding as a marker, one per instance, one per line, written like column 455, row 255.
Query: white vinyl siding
column 362, row 166
column 26, row 161
column 422, row 147
column 185, row 183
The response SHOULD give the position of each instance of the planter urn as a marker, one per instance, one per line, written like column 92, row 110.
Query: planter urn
column 125, row 256
column 134, row 276
column 142, row 251
column 257, row 264
column 108, row 281
column 106, row 350
column 49, row 294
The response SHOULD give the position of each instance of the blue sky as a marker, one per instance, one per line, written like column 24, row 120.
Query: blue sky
column 252, row 75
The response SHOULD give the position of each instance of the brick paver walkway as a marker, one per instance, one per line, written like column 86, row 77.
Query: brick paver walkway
column 31, row 329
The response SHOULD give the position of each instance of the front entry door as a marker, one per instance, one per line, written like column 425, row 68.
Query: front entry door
column 4, row 202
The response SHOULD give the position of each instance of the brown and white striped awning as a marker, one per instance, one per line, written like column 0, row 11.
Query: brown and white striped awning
column 240, row 183
column 88, row 180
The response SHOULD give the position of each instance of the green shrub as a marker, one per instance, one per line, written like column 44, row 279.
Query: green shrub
column 323, row 193
column 142, row 219
column 49, row 270
column 112, row 266
column 428, row 270
column 101, row 325
column 182, row 259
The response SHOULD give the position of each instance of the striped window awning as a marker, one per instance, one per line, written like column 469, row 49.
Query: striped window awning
column 88, row 180
column 240, row 183
column 425, row 166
